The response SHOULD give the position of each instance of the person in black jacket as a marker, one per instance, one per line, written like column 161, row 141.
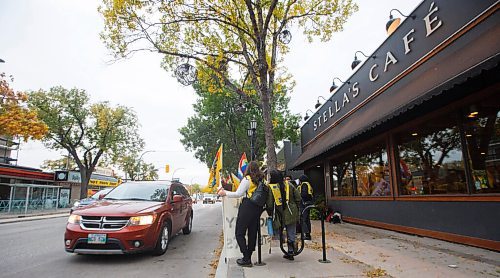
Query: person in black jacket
column 306, row 192
column 249, row 213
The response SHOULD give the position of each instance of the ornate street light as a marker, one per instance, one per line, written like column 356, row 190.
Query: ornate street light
column 251, row 134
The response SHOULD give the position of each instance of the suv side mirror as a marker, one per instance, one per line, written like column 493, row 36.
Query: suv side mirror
column 177, row 198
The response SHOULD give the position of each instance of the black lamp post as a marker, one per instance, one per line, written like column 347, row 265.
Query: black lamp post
column 251, row 135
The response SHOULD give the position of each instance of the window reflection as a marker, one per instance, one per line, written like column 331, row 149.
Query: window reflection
column 482, row 134
column 342, row 179
column 364, row 174
column 431, row 159
column 372, row 172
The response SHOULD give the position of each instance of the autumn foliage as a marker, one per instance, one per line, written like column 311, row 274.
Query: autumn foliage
column 16, row 119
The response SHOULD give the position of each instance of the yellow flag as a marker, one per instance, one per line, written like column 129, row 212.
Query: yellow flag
column 236, row 181
column 214, row 179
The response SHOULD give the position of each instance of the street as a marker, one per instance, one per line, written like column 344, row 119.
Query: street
column 36, row 249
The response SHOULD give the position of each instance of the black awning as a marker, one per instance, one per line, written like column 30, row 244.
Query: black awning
column 370, row 116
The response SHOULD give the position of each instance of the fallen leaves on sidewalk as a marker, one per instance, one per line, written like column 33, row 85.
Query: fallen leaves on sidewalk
column 378, row 272
column 316, row 246
column 349, row 261
column 215, row 261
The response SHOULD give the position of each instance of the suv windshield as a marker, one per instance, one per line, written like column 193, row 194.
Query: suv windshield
column 99, row 193
column 139, row 192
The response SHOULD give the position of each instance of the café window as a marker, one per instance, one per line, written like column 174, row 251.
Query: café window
column 372, row 171
column 430, row 158
column 342, row 178
column 364, row 172
column 482, row 136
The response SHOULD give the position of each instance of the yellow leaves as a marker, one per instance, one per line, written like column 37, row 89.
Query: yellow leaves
column 19, row 121
column 15, row 118
column 378, row 272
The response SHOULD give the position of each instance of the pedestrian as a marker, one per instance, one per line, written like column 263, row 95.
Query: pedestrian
column 288, row 178
column 306, row 193
column 248, row 212
column 283, row 206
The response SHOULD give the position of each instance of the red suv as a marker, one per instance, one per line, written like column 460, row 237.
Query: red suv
column 133, row 217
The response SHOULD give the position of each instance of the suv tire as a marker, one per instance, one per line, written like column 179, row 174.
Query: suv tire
column 163, row 239
column 187, row 230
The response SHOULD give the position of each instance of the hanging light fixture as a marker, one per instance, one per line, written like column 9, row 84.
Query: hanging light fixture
column 307, row 115
column 285, row 36
column 356, row 61
column 334, row 86
column 393, row 22
column 318, row 104
column 473, row 111
column 186, row 74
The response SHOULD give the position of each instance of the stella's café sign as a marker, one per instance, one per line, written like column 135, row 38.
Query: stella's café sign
column 397, row 53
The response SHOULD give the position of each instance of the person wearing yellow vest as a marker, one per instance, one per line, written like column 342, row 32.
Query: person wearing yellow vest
column 306, row 192
column 248, row 212
column 283, row 206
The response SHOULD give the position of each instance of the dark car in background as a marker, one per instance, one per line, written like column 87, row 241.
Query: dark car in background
column 92, row 199
column 134, row 217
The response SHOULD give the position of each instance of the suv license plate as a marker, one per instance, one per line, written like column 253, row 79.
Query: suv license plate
column 96, row 239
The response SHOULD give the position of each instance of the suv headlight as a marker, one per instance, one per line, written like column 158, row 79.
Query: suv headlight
column 141, row 220
column 74, row 219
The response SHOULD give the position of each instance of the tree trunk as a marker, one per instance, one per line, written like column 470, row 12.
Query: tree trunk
column 272, row 160
column 85, row 176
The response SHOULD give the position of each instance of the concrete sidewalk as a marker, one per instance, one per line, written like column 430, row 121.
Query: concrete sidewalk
column 359, row 251
column 12, row 218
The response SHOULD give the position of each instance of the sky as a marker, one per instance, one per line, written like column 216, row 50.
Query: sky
column 56, row 42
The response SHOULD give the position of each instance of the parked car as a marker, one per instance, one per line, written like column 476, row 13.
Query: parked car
column 92, row 199
column 209, row 199
column 134, row 217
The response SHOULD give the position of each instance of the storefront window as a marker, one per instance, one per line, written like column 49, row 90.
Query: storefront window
column 482, row 135
column 342, row 179
column 372, row 171
column 363, row 173
column 430, row 158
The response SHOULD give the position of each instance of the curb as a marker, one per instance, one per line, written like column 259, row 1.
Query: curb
column 32, row 218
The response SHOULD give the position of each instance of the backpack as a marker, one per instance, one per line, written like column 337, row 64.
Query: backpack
column 259, row 196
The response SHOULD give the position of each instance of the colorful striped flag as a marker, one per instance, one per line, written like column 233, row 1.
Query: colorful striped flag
column 242, row 166
column 214, row 181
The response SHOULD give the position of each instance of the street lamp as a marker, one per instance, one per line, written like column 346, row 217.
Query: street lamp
column 138, row 166
column 251, row 135
column 173, row 174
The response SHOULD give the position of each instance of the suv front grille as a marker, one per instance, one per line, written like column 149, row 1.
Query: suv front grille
column 109, row 223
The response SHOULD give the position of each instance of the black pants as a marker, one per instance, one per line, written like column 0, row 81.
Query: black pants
column 248, row 220
column 306, row 220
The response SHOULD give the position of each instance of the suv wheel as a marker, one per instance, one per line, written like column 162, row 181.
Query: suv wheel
column 163, row 240
column 187, row 230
